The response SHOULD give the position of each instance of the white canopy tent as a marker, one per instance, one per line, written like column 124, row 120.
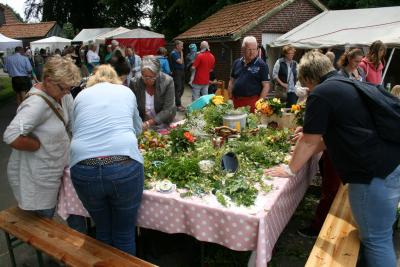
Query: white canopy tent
column 7, row 44
column 52, row 43
column 87, row 35
column 101, row 39
column 353, row 27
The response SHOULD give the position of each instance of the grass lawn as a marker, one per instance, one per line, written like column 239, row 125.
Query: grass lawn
column 7, row 92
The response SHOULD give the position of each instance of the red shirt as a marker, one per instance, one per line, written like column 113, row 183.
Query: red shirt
column 203, row 64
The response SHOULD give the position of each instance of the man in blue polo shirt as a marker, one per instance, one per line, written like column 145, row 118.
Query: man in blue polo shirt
column 178, row 73
column 249, row 76
column 19, row 68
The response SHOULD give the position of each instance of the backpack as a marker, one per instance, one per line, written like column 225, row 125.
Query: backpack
column 382, row 105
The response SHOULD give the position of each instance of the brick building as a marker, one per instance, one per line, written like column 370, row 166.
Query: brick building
column 14, row 28
column 264, row 19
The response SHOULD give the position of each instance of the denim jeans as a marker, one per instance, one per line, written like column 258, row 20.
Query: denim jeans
column 291, row 99
column 78, row 223
column 47, row 213
column 198, row 90
column 111, row 194
column 374, row 208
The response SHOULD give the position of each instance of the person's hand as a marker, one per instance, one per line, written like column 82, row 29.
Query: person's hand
column 297, row 134
column 279, row 171
column 285, row 85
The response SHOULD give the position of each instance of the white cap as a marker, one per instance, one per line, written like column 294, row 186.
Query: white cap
column 114, row 42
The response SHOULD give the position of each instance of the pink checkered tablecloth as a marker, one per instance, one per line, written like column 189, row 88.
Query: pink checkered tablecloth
column 255, row 228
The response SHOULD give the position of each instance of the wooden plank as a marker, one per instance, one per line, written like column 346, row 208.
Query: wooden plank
column 337, row 243
column 63, row 243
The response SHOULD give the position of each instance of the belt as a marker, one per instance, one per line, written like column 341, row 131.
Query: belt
column 103, row 160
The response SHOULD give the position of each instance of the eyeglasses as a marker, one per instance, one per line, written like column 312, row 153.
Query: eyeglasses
column 149, row 78
column 64, row 90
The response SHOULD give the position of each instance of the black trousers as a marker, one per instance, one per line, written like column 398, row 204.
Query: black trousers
column 179, row 82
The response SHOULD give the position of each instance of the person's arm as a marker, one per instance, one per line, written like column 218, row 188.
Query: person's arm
column 137, row 121
column 168, row 112
column 264, row 74
column 306, row 147
column 26, row 143
column 177, row 57
column 30, row 114
column 230, row 86
column 265, row 89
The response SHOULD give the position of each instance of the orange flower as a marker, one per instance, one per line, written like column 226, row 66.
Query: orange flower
column 189, row 137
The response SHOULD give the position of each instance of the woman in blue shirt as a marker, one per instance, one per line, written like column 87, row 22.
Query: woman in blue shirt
column 106, row 165
column 163, row 58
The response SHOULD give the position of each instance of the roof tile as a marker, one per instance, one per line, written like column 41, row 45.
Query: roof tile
column 231, row 19
column 9, row 15
column 27, row 30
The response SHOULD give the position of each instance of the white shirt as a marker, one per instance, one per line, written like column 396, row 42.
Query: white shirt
column 92, row 57
column 150, row 111
column 35, row 177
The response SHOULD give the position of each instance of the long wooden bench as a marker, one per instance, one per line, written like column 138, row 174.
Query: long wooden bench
column 61, row 242
column 337, row 243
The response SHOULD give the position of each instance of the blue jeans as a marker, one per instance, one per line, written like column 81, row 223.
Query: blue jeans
column 374, row 207
column 47, row 213
column 198, row 90
column 111, row 194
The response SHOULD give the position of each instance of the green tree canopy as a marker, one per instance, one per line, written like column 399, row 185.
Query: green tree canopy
column 88, row 13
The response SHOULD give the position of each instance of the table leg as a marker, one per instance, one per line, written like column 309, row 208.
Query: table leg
column 10, row 250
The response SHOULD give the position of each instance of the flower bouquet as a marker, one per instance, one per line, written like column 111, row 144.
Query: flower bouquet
column 269, row 106
column 181, row 140
column 298, row 110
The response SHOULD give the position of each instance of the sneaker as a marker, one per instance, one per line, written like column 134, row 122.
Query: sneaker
column 308, row 232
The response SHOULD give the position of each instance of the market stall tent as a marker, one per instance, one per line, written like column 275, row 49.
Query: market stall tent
column 143, row 41
column 53, row 43
column 8, row 44
column 353, row 27
column 101, row 39
column 87, row 35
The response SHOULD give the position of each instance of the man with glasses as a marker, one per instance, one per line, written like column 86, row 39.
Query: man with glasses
column 249, row 76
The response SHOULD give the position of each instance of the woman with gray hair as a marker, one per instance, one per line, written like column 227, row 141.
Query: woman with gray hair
column 155, row 94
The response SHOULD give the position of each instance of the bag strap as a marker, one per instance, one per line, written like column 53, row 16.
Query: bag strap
column 55, row 110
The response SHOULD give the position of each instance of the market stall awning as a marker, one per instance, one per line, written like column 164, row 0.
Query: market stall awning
column 52, row 43
column 101, row 39
column 87, row 35
column 143, row 41
column 346, row 27
column 8, row 43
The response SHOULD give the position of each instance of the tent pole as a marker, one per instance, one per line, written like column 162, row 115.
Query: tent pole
column 387, row 65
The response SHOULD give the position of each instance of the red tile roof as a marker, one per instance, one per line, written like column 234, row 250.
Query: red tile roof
column 27, row 30
column 9, row 15
column 231, row 19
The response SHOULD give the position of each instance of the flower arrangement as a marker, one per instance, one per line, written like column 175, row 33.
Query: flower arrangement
column 181, row 140
column 217, row 100
column 298, row 111
column 151, row 139
column 269, row 106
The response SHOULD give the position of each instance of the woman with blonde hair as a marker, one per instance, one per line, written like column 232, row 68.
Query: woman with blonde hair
column 106, row 164
column 284, row 74
column 39, row 138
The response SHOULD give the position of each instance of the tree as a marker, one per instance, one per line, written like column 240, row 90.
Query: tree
column 172, row 17
column 68, row 30
column 88, row 13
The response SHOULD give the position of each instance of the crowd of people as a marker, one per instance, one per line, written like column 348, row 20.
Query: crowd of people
column 96, row 133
